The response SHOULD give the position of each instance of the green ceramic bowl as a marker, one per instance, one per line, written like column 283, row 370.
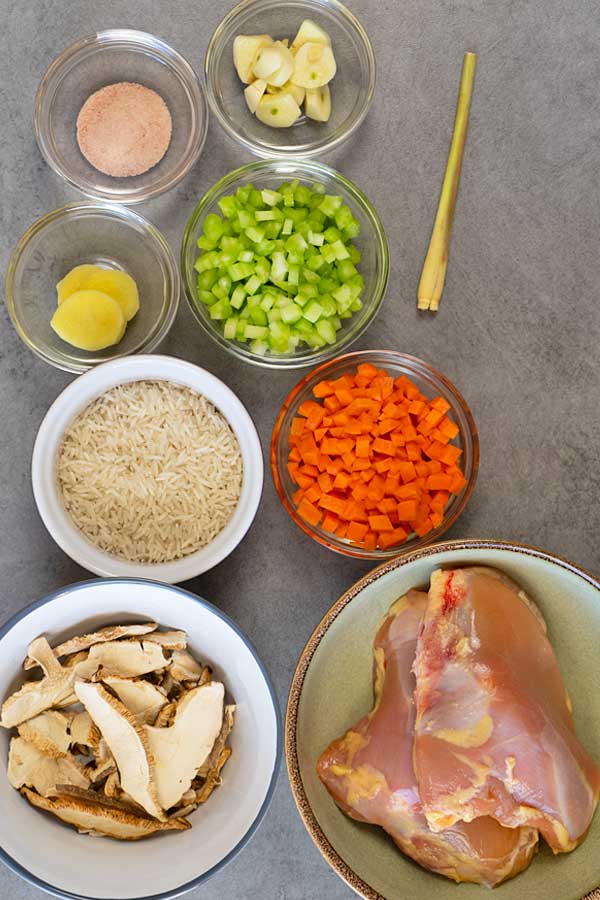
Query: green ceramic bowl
column 331, row 689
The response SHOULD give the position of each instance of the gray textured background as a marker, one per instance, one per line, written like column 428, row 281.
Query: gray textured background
column 517, row 331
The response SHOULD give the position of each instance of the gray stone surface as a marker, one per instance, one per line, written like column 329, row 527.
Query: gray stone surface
column 518, row 329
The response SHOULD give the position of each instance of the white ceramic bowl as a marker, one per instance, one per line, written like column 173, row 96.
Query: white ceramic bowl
column 53, row 856
column 75, row 398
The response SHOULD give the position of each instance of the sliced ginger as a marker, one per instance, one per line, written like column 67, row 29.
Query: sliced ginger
column 118, row 285
column 89, row 320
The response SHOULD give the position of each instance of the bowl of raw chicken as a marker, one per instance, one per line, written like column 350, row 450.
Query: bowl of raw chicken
column 442, row 727
column 139, row 741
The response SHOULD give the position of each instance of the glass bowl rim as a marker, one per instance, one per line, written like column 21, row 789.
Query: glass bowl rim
column 126, row 37
column 258, row 148
column 414, row 544
column 305, row 166
column 125, row 215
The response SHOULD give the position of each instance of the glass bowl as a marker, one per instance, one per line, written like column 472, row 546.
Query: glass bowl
column 106, row 58
column 372, row 243
column 352, row 87
column 431, row 383
column 102, row 234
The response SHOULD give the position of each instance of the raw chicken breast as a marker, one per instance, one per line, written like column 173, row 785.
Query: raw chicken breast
column 369, row 772
column 494, row 733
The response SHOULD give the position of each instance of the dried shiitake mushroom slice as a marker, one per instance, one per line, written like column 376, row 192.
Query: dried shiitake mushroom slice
column 28, row 766
column 141, row 698
column 125, row 659
column 35, row 697
column 92, row 815
column 85, row 641
column 49, row 732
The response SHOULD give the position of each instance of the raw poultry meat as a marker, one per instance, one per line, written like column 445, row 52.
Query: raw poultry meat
column 494, row 732
column 369, row 771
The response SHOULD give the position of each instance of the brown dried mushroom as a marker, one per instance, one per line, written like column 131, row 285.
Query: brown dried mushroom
column 123, row 735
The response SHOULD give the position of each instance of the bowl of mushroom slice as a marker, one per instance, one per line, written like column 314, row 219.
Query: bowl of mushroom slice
column 133, row 711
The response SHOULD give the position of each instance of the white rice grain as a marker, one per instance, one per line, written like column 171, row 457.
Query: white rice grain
column 150, row 471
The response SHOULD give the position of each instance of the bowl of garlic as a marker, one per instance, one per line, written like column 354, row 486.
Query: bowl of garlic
column 290, row 79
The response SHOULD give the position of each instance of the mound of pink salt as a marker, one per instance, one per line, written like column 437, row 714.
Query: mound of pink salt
column 124, row 129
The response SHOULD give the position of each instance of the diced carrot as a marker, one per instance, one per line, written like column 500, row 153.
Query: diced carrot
column 370, row 540
column 330, row 522
column 451, row 455
column 313, row 493
column 407, row 491
column 386, row 425
column 356, row 531
column 335, row 466
column 297, row 426
column 310, row 406
column 362, row 447
column 342, row 529
column 361, row 465
column 421, row 469
column 391, row 538
column 397, row 439
column 292, row 468
column 322, row 389
column 309, row 470
column 367, row 475
column 367, row 370
column 440, row 499
column 413, row 452
column 332, row 403
column 380, row 445
column 436, row 518
column 434, row 417
column 325, row 482
column 344, row 396
column 391, row 410
column 297, row 496
column 303, row 481
column 424, row 427
column 416, row 407
column 361, row 381
column 387, row 505
column 309, row 512
column 457, row 483
column 353, row 427
column 448, row 427
column 407, row 510
column 407, row 472
column 382, row 466
column 440, row 403
column 360, row 491
column 421, row 528
column 392, row 485
column 439, row 483
column 319, row 434
column 341, row 481
column 332, row 503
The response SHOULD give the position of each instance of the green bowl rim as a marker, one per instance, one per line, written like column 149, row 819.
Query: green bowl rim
column 291, row 717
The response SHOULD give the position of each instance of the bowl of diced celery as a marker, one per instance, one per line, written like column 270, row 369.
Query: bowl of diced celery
column 284, row 263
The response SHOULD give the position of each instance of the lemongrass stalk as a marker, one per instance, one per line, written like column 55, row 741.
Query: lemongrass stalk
column 433, row 275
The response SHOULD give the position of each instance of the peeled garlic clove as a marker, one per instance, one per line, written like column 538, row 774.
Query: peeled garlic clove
column 317, row 104
column 310, row 31
column 314, row 66
column 253, row 93
column 278, row 110
column 245, row 49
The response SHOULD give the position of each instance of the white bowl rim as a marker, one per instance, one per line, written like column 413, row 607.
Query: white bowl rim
column 32, row 879
column 126, row 369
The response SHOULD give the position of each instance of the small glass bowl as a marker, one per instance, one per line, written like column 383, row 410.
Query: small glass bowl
column 102, row 234
column 372, row 243
column 352, row 87
column 106, row 58
column 431, row 383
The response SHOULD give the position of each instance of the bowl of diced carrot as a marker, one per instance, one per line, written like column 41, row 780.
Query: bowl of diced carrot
column 375, row 453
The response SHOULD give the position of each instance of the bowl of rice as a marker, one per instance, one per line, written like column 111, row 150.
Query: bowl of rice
column 148, row 467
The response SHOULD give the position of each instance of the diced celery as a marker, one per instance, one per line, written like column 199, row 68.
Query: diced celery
column 262, row 269
column 291, row 313
column 346, row 269
column 258, row 316
column 354, row 254
column 246, row 219
column 271, row 198
column 228, row 206
column 265, row 215
column 331, row 234
column 274, row 315
column 207, row 297
column 256, row 331
column 303, row 328
column 240, row 270
column 205, row 243
column 259, row 347
column 243, row 194
column 253, row 284
column 279, row 331
column 240, row 332
column 313, row 311
column 315, row 340
column 230, row 328
column 330, row 204
column 302, row 195
column 308, row 290
column 337, row 322
column 327, row 285
column 326, row 330
column 207, row 261
column 245, row 256
column 328, row 253
column 293, row 274
column 245, row 313
column 328, row 304
column 340, row 250
column 238, row 296
column 207, row 279
column 213, row 227
column 253, row 300
column 279, row 267
column 315, row 263
column 264, row 248
column 356, row 304
column 255, row 200
column 343, row 297
column 267, row 302
column 351, row 231
column 221, row 310
column 288, row 226
column 343, row 217
column 315, row 239
column 255, row 234
column 296, row 244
